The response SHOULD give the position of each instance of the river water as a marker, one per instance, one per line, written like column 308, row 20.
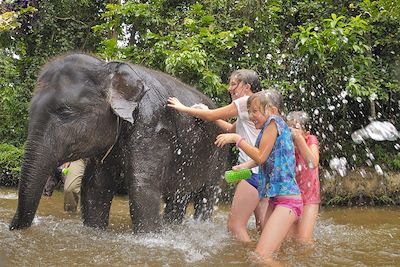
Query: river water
column 344, row 237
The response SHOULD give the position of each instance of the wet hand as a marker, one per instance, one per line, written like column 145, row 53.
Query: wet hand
column 174, row 103
column 296, row 133
column 238, row 167
column 224, row 139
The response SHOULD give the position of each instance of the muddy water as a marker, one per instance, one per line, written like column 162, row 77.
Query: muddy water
column 344, row 237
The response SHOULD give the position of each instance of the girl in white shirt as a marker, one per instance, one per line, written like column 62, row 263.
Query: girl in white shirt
column 242, row 84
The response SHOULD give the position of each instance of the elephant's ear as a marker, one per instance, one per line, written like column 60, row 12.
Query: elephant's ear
column 126, row 90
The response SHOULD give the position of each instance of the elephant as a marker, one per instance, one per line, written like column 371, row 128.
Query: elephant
column 115, row 115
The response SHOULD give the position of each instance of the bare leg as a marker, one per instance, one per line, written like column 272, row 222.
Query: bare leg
column 305, row 226
column 244, row 203
column 274, row 232
column 260, row 213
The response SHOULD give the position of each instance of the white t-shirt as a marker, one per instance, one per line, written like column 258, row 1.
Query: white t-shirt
column 245, row 128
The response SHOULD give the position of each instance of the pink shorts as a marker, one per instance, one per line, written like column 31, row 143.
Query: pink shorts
column 295, row 204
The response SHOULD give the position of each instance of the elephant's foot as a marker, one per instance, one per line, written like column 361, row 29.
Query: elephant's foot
column 146, row 227
column 96, row 225
column 18, row 223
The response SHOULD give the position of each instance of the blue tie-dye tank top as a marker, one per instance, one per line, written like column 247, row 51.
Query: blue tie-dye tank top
column 277, row 174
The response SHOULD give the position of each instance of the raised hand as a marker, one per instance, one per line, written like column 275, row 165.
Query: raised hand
column 174, row 103
column 224, row 139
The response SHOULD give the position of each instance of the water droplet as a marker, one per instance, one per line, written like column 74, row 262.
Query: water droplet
column 339, row 165
column 310, row 164
column 358, row 136
column 363, row 173
column 299, row 167
column 378, row 169
column 373, row 97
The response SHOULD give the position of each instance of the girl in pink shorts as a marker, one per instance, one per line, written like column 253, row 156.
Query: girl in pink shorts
column 274, row 153
column 307, row 161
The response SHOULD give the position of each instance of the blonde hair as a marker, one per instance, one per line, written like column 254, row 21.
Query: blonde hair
column 299, row 117
column 267, row 98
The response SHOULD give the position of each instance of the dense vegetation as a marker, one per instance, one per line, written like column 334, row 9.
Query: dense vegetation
column 337, row 60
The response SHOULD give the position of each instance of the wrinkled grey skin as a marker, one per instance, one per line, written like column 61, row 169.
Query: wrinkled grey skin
column 84, row 107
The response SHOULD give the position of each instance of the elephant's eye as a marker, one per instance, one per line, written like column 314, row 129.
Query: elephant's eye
column 64, row 112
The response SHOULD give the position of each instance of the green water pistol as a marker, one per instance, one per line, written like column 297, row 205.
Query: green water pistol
column 235, row 176
column 65, row 171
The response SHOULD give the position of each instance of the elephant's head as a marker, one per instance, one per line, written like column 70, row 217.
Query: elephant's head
column 74, row 114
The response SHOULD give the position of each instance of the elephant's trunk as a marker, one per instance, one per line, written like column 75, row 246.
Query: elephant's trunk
column 38, row 164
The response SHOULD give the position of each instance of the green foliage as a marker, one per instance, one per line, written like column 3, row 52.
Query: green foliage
column 387, row 160
column 9, row 20
column 337, row 60
column 188, row 44
column 10, row 164
column 38, row 33
column 345, row 76
column 340, row 46
column 13, row 101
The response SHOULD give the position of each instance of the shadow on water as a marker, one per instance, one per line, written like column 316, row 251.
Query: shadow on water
column 344, row 237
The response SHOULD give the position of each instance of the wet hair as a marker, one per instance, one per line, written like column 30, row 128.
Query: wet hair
column 299, row 117
column 248, row 77
column 267, row 98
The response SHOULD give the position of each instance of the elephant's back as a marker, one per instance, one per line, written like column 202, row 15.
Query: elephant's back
column 164, row 85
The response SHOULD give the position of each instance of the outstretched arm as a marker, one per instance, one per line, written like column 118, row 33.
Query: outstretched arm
column 222, row 113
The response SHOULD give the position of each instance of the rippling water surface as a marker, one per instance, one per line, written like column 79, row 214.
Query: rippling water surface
column 344, row 237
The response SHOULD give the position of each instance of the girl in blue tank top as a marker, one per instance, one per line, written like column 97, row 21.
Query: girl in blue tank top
column 274, row 154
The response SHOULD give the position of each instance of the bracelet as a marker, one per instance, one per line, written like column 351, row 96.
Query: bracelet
column 239, row 140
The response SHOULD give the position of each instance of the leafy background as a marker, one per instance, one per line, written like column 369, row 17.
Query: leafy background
column 337, row 60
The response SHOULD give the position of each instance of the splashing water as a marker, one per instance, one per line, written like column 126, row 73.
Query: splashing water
column 376, row 130
column 58, row 239
column 199, row 106
column 339, row 165
column 9, row 196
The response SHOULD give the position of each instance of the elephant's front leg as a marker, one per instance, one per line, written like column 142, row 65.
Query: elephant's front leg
column 149, row 160
column 97, row 192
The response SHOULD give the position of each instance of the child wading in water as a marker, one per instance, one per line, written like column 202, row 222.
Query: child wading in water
column 307, row 161
column 242, row 84
column 274, row 153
